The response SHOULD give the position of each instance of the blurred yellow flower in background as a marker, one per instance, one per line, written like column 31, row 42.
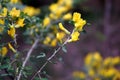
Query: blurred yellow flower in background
column 53, row 42
column 46, row 21
column 31, row 10
column 14, row 12
column 107, row 73
column 4, row 12
column 79, row 75
column 12, row 31
column 47, row 40
column 4, row 51
column 20, row 22
column 2, row 21
column 93, row 60
column 108, row 62
column 67, row 16
column 14, row 1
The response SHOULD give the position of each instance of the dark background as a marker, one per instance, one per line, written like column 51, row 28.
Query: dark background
column 103, row 34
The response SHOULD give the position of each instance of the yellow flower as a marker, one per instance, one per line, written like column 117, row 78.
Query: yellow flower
column 47, row 40
column 76, row 16
column 79, row 74
column 4, row 51
column 116, row 60
column 11, row 32
column 4, row 13
column 109, row 72
column 60, row 11
column 60, row 35
column 20, row 22
column 93, row 60
column 46, row 21
column 91, row 72
column 53, row 7
column 14, row 1
column 53, row 43
column 14, row 12
column 63, row 29
column 12, row 48
column 2, row 21
column 78, row 21
column 67, row 16
column 79, row 24
column 117, row 76
column 53, row 16
column 108, row 62
column 74, row 36
column 31, row 10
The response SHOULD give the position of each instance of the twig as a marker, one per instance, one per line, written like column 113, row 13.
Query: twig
column 27, row 57
column 48, row 60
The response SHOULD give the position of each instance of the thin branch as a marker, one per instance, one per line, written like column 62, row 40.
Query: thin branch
column 49, row 59
column 27, row 58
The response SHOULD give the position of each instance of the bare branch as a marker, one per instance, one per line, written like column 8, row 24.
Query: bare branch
column 49, row 59
column 27, row 58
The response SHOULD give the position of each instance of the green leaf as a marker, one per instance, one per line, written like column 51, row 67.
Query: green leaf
column 3, row 75
column 64, row 49
column 41, row 55
column 4, row 66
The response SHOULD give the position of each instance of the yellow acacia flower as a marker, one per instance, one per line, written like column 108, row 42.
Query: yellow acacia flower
column 108, row 62
column 60, row 11
column 12, row 48
column 4, row 12
column 91, row 72
column 11, row 32
column 78, row 21
column 74, row 36
column 53, row 7
column 4, row 51
column 47, row 40
column 76, row 16
column 117, row 76
column 20, row 22
column 14, row 12
column 79, row 74
column 116, row 60
column 79, row 24
column 107, row 73
column 31, row 10
column 63, row 29
column 60, row 36
column 53, row 16
column 93, row 60
column 67, row 16
column 2, row 21
column 14, row 1
column 46, row 21
column 53, row 43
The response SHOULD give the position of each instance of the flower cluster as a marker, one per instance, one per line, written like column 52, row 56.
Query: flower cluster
column 19, row 22
column 97, row 68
